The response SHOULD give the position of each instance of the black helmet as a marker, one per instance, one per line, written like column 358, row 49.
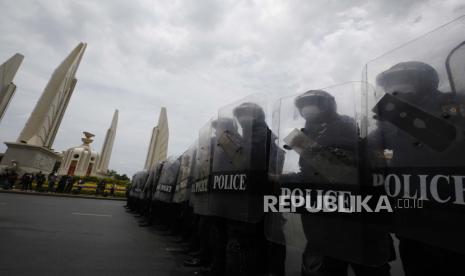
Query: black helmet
column 420, row 74
column 320, row 98
column 250, row 109
column 224, row 124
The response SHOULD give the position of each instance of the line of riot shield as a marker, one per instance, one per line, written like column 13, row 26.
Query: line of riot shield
column 315, row 211
column 184, row 180
column 416, row 122
column 199, row 195
column 167, row 182
column 240, row 160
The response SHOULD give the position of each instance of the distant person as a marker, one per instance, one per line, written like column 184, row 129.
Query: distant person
column 61, row 184
column 4, row 179
column 23, row 181
column 100, row 188
column 12, row 174
column 29, row 181
column 80, row 184
column 103, row 188
column 26, row 182
column 12, row 178
column 40, row 179
column 97, row 189
column 112, row 189
column 69, row 184
column 52, row 178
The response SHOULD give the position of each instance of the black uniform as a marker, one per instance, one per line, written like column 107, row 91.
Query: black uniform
column 51, row 182
column 331, row 236
column 434, row 256
column 248, row 251
column 40, row 179
column 61, row 184
column 26, row 181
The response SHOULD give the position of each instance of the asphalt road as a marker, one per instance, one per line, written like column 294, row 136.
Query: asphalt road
column 41, row 235
column 44, row 235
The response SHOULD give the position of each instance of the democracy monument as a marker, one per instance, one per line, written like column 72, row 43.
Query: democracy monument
column 33, row 151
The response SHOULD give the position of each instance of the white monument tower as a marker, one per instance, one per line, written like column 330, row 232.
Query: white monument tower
column 43, row 124
column 158, row 147
column 105, row 154
column 7, row 87
column 33, row 149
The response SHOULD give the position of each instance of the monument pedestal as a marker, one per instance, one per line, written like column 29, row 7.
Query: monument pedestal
column 30, row 158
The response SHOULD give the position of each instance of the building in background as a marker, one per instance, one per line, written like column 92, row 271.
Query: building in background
column 80, row 160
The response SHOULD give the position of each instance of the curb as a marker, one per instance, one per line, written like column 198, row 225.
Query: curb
column 59, row 195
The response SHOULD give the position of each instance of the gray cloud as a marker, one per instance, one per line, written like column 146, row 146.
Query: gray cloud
column 193, row 57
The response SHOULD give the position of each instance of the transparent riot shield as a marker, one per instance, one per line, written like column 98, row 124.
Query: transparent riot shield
column 167, row 182
column 184, row 181
column 156, row 173
column 192, row 172
column 199, row 195
column 314, row 211
column 417, row 116
column 138, row 181
column 240, row 160
column 146, row 190
column 151, row 183
column 456, row 68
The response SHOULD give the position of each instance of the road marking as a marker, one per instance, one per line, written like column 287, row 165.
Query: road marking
column 89, row 214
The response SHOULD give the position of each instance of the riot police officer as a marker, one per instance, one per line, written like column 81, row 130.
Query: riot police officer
column 218, row 225
column 248, row 252
column 199, row 199
column 333, row 134
column 423, row 251
column 151, row 207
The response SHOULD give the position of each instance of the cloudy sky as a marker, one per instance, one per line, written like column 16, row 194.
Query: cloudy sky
column 192, row 57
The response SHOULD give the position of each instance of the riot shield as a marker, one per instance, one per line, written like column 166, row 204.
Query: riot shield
column 147, row 187
column 167, row 182
column 199, row 194
column 138, row 181
column 240, row 160
column 155, row 174
column 152, row 181
column 315, row 211
column 456, row 68
column 416, row 119
column 184, row 180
